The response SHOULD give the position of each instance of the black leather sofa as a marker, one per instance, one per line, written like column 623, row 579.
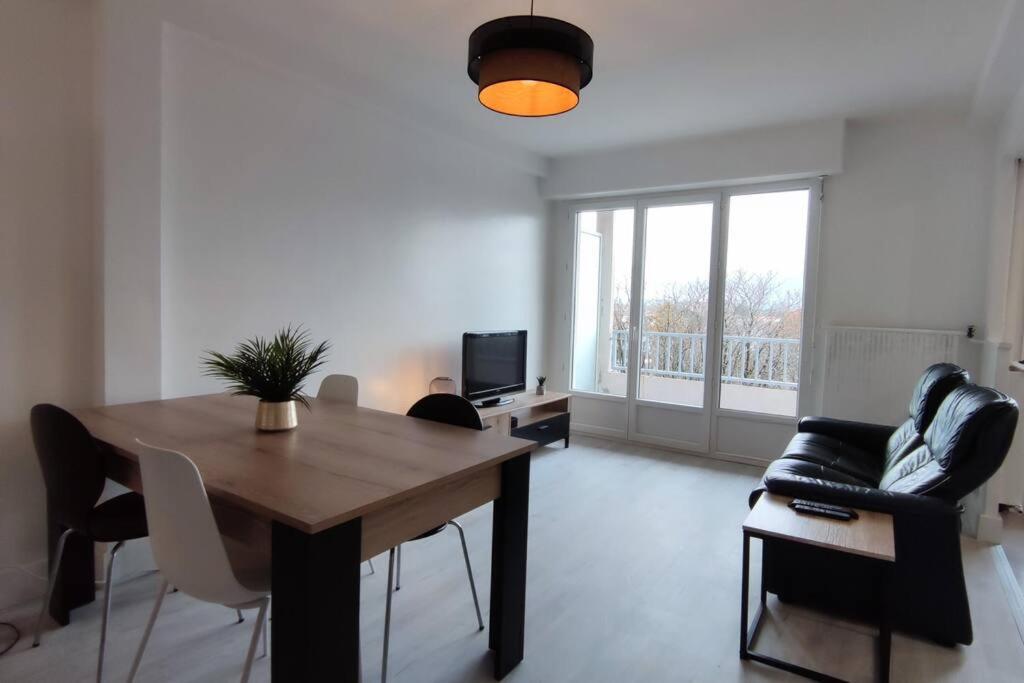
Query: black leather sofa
column 955, row 438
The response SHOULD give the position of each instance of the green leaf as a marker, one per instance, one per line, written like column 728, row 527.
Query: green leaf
column 274, row 370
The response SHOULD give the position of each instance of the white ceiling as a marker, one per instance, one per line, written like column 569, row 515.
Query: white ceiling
column 663, row 68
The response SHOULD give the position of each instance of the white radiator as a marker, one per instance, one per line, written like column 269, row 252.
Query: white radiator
column 870, row 371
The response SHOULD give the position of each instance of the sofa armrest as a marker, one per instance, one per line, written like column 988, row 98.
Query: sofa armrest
column 866, row 436
column 877, row 500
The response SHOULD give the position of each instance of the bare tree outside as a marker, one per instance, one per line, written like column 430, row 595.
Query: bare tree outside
column 757, row 306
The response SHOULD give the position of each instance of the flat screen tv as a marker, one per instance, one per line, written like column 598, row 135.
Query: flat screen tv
column 493, row 365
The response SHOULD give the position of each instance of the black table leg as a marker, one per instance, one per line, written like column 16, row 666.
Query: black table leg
column 745, row 590
column 884, row 653
column 315, row 584
column 508, row 566
column 748, row 633
column 76, row 581
column 885, row 627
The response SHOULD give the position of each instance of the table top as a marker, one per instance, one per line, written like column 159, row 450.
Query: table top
column 342, row 461
column 870, row 535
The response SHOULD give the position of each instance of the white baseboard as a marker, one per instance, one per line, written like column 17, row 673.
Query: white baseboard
column 668, row 444
column 990, row 529
column 23, row 583
column 27, row 582
column 603, row 432
column 750, row 460
column 619, row 436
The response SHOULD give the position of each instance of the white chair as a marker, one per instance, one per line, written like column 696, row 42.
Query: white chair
column 339, row 388
column 189, row 550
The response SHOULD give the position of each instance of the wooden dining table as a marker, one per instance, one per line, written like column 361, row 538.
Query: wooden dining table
column 346, row 485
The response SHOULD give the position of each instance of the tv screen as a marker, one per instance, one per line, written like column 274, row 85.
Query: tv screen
column 493, row 363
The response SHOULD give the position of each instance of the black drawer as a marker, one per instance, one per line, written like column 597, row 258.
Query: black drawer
column 547, row 431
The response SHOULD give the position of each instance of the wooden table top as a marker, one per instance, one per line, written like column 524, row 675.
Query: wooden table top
column 342, row 461
column 870, row 535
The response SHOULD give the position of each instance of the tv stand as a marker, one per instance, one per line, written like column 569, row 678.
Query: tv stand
column 496, row 401
column 541, row 418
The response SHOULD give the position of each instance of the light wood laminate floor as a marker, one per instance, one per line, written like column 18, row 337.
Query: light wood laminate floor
column 1013, row 542
column 634, row 575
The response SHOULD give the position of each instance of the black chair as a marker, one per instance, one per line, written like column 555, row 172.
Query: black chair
column 956, row 438
column 74, row 474
column 457, row 411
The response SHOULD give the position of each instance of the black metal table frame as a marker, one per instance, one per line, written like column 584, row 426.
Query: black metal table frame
column 749, row 630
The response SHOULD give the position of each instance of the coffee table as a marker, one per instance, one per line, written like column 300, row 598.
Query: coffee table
column 870, row 535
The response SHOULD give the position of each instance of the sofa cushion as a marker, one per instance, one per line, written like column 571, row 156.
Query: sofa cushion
column 904, row 440
column 791, row 467
column 964, row 445
column 931, row 390
column 968, row 410
column 916, row 472
column 836, row 455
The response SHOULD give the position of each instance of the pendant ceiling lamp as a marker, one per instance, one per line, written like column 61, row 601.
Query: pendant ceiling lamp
column 530, row 66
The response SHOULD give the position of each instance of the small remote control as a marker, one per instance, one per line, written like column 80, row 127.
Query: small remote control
column 813, row 507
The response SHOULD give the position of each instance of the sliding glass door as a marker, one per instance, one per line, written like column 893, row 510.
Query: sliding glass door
column 763, row 302
column 675, row 269
column 689, row 316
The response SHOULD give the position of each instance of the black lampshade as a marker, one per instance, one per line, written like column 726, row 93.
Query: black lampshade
column 529, row 65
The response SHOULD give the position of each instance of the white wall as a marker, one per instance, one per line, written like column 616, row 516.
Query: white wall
column 904, row 239
column 903, row 236
column 130, row 89
column 288, row 202
column 1005, row 318
column 904, row 227
column 330, row 193
column 776, row 153
column 49, row 330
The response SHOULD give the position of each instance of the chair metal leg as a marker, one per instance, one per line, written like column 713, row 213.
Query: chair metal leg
column 260, row 619
column 240, row 617
column 149, row 629
column 398, row 573
column 107, row 594
column 372, row 570
column 387, row 617
column 50, row 585
column 469, row 572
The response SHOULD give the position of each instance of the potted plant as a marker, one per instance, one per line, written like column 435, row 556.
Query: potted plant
column 540, row 385
column 272, row 370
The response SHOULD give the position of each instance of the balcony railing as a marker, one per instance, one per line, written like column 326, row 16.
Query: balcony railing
column 752, row 361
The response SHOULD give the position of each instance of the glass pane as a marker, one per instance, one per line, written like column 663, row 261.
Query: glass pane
column 604, row 266
column 677, row 263
column 764, row 300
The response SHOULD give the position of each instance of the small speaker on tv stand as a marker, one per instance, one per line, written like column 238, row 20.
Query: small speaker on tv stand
column 515, row 422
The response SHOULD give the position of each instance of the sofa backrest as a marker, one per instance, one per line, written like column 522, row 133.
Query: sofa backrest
column 965, row 444
column 930, row 391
